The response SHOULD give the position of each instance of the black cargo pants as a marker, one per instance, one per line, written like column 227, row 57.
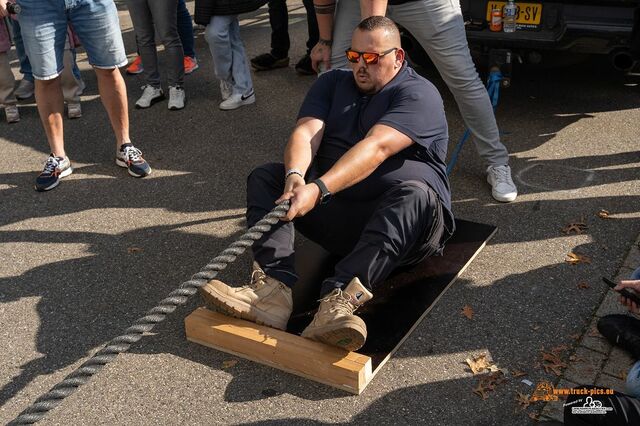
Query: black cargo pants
column 401, row 227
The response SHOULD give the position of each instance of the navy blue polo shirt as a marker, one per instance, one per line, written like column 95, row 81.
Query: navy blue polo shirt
column 408, row 103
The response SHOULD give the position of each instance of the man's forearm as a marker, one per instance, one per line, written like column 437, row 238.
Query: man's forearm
column 372, row 8
column 355, row 165
column 303, row 145
column 324, row 13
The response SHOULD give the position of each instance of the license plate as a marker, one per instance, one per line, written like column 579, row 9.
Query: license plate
column 528, row 14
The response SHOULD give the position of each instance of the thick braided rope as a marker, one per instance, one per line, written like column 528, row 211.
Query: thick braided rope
column 47, row 402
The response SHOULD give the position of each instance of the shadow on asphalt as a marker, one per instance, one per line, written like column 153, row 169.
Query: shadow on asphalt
column 85, row 302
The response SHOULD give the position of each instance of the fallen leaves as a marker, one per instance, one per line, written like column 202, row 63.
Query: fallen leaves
column 575, row 258
column 488, row 383
column 467, row 311
column 522, row 400
column 603, row 214
column 583, row 286
column 518, row 373
column 534, row 416
column 552, row 362
column 132, row 250
column 479, row 363
column 229, row 364
column 577, row 227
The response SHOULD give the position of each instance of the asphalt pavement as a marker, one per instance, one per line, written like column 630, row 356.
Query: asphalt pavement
column 80, row 263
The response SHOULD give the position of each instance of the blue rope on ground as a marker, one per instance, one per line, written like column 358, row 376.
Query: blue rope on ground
column 493, row 87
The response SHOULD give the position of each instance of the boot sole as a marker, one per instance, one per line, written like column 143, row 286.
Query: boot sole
column 238, row 309
column 349, row 335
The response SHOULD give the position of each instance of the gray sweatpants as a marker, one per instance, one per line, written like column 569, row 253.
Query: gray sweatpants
column 163, row 14
column 439, row 28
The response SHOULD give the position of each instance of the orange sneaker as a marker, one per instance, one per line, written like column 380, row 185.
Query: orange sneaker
column 190, row 64
column 136, row 66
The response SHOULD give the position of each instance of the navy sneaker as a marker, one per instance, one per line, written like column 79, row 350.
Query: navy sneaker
column 131, row 157
column 54, row 169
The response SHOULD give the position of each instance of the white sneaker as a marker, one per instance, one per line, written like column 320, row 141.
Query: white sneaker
column 226, row 89
column 25, row 89
column 150, row 95
column 74, row 110
column 237, row 100
column 503, row 188
column 176, row 98
column 12, row 114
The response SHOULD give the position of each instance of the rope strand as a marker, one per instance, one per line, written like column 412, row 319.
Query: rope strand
column 47, row 402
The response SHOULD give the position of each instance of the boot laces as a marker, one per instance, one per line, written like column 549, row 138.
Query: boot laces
column 257, row 279
column 339, row 303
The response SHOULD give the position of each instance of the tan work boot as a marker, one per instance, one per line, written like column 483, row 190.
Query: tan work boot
column 335, row 324
column 265, row 301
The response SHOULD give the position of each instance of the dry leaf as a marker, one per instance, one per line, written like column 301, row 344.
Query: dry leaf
column 467, row 311
column 576, row 358
column 623, row 375
column 583, row 285
column 229, row 364
column 518, row 373
column 575, row 258
column 478, row 364
column 534, row 416
column 131, row 250
column 575, row 336
column 603, row 214
column 480, row 391
column 523, row 400
column 535, row 327
column 577, row 227
column 551, row 362
column 559, row 348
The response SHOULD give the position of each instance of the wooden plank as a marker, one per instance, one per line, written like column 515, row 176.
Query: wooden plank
column 332, row 366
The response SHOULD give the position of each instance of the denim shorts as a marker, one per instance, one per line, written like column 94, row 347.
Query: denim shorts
column 44, row 31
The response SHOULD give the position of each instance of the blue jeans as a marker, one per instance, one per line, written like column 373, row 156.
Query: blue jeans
column 229, row 60
column 185, row 29
column 25, row 65
column 44, row 31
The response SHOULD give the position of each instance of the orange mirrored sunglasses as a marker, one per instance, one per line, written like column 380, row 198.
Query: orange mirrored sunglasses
column 370, row 58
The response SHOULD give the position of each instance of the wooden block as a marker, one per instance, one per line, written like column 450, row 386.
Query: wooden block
column 332, row 366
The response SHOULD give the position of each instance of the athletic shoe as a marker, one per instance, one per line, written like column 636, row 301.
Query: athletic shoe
column 11, row 113
column 25, row 89
column 176, row 98
column 304, row 67
column 502, row 187
column 150, row 95
column 264, row 300
column 74, row 110
column 190, row 64
column 54, row 169
column 268, row 61
column 130, row 157
column 136, row 66
column 237, row 100
column 226, row 89
column 335, row 324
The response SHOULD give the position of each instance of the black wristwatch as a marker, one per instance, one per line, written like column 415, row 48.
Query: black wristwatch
column 325, row 195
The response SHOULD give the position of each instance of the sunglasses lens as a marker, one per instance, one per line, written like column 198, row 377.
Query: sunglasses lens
column 353, row 56
column 370, row 58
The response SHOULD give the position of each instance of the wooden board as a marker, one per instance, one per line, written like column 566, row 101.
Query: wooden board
column 398, row 306
column 316, row 361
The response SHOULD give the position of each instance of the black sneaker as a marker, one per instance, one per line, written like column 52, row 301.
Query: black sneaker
column 54, row 169
column 268, row 61
column 623, row 331
column 131, row 157
column 304, row 67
